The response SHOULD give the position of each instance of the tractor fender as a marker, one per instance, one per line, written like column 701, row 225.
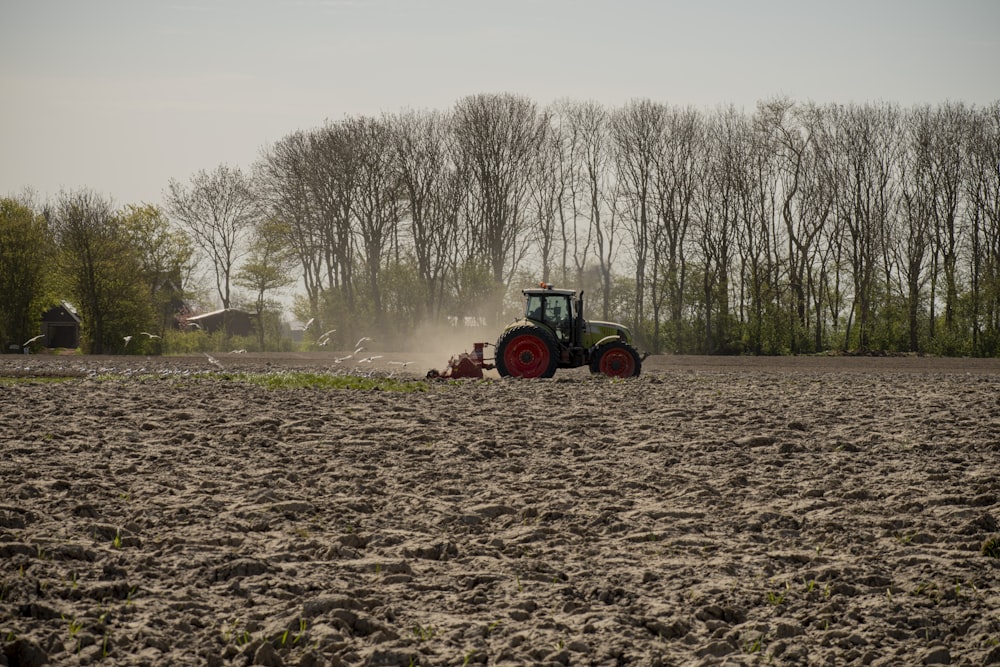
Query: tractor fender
column 606, row 339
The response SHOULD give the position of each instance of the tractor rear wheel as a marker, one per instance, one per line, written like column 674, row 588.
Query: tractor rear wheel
column 616, row 359
column 526, row 351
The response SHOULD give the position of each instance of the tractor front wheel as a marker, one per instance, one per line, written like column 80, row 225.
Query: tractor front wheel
column 526, row 351
column 616, row 359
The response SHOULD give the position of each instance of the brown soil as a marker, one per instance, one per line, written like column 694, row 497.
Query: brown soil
column 820, row 510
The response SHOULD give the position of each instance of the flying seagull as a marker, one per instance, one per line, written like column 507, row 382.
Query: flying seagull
column 32, row 340
column 404, row 364
column 127, row 339
column 212, row 360
column 362, row 340
column 309, row 324
column 325, row 338
column 146, row 333
column 368, row 360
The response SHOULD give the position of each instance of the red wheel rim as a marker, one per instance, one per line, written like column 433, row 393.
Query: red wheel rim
column 617, row 362
column 526, row 356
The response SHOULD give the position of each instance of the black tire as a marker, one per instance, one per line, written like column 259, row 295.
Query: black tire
column 527, row 351
column 616, row 359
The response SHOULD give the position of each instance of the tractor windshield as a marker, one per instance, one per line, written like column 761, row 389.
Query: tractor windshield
column 555, row 310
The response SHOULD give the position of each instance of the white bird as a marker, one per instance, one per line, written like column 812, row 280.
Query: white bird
column 404, row 364
column 146, row 333
column 239, row 351
column 127, row 339
column 32, row 340
column 360, row 349
column 309, row 324
column 212, row 360
column 368, row 360
column 342, row 359
column 363, row 340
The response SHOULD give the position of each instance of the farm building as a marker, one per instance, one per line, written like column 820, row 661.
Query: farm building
column 61, row 327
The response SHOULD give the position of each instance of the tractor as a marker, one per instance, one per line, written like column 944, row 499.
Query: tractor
column 553, row 334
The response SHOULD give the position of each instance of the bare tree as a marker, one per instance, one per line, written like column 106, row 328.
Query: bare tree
column 377, row 202
column 945, row 163
column 498, row 138
column 734, row 224
column 332, row 183
column 867, row 142
column 806, row 197
column 917, row 231
column 425, row 160
column 983, row 197
column 680, row 173
column 819, row 199
column 220, row 211
column 638, row 130
column 546, row 192
column 593, row 199
column 285, row 174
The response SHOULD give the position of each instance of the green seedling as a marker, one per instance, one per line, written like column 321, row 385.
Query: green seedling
column 302, row 631
column 777, row 599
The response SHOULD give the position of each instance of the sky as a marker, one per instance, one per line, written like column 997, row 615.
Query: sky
column 120, row 97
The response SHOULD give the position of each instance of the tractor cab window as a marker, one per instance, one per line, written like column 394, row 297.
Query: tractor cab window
column 555, row 311
column 536, row 307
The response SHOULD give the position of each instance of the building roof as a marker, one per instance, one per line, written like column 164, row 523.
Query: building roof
column 64, row 312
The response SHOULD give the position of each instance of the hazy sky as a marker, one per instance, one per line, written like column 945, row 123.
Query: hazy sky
column 121, row 96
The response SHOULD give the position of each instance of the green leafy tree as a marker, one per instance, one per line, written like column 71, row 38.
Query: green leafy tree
column 166, row 257
column 267, row 269
column 25, row 254
column 99, row 268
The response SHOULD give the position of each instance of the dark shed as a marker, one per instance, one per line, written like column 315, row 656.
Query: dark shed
column 61, row 326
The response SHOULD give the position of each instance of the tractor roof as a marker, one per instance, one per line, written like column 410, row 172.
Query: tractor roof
column 535, row 291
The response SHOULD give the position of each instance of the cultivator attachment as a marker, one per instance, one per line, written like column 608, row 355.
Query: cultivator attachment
column 464, row 365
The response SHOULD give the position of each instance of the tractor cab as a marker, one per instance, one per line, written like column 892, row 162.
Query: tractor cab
column 556, row 309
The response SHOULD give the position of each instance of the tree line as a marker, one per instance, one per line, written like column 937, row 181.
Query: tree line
column 792, row 228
